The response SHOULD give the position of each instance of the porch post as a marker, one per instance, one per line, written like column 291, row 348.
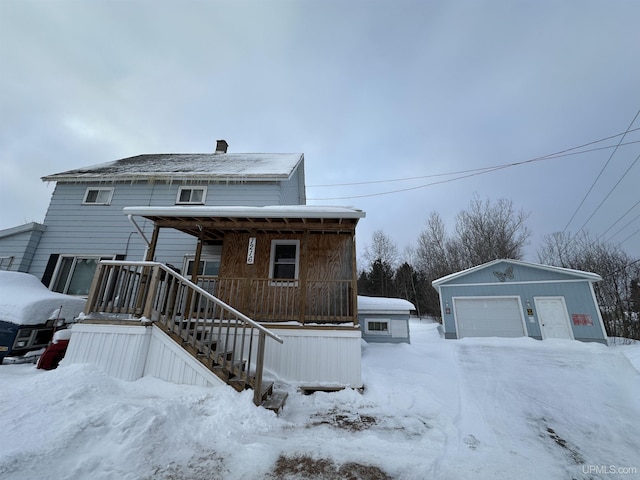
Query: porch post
column 151, row 249
column 196, row 262
column 354, row 280
column 303, row 262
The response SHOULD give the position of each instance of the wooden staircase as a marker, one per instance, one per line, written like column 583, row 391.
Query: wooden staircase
column 224, row 340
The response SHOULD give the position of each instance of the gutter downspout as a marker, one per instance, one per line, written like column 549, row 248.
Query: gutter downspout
column 146, row 241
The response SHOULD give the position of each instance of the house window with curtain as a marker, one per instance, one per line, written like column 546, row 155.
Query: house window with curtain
column 97, row 196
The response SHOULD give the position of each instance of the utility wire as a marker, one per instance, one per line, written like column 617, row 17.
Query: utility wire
column 600, row 174
column 472, row 173
column 620, row 218
column 610, row 191
column 545, row 157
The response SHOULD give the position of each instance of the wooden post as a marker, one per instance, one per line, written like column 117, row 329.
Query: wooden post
column 304, row 268
column 151, row 249
column 93, row 291
column 354, row 280
column 257, row 388
column 151, row 293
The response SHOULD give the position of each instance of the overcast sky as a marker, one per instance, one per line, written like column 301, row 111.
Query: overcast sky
column 369, row 91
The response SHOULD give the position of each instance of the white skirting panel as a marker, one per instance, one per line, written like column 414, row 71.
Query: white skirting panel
column 316, row 357
column 119, row 350
column 131, row 352
column 168, row 361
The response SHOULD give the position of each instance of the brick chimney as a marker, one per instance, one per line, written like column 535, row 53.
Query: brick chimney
column 221, row 146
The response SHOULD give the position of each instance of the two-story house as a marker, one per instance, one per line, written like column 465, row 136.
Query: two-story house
column 275, row 287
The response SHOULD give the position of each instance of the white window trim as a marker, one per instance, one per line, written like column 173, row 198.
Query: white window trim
column 100, row 189
column 203, row 258
column 284, row 282
column 383, row 333
column 189, row 187
column 61, row 257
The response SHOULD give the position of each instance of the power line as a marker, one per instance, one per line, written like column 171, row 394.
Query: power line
column 620, row 218
column 472, row 172
column 482, row 169
column 610, row 191
column 600, row 174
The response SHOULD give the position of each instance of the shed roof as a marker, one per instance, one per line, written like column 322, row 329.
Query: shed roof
column 383, row 305
column 179, row 166
column 592, row 277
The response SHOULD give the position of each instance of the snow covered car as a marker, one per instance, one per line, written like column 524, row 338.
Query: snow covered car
column 29, row 315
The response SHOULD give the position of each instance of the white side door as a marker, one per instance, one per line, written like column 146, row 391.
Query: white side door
column 553, row 317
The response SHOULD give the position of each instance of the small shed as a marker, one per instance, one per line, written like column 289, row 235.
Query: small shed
column 384, row 320
column 510, row 298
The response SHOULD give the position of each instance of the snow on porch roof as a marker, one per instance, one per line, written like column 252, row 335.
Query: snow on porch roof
column 176, row 166
column 273, row 211
column 211, row 223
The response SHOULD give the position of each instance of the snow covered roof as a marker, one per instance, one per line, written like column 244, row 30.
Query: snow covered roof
column 24, row 300
column 383, row 305
column 592, row 277
column 234, row 211
column 202, row 166
column 211, row 222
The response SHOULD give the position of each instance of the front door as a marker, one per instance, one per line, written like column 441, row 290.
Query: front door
column 553, row 317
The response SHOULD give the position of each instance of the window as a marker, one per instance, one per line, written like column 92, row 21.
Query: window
column 98, row 196
column 377, row 327
column 73, row 275
column 284, row 259
column 208, row 267
column 5, row 263
column 191, row 195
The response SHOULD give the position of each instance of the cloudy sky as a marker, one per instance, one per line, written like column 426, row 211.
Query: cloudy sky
column 371, row 92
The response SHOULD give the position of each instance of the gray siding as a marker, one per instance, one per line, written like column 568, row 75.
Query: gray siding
column 77, row 229
column 21, row 244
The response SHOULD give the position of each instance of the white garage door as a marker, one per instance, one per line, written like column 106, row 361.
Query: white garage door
column 488, row 317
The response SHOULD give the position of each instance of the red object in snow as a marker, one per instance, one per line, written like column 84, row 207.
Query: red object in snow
column 52, row 355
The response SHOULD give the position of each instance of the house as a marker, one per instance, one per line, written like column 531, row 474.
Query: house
column 84, row 222
column 509, row 298
column 282, row 299
column 384, row 320
column 204, row 269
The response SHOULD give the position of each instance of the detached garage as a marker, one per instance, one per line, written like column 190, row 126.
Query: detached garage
column 510, row 298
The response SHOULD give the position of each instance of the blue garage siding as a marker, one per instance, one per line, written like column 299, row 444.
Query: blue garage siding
column 526, row 281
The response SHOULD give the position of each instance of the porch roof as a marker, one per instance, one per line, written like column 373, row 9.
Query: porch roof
column 211, row 223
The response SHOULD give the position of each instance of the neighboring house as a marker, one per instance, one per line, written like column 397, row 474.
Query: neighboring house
column 509, row 298
column 384, row 320
column 18, row 246
column 84, row 222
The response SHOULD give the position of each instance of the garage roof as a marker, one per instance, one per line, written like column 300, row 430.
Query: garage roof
column 592, row 277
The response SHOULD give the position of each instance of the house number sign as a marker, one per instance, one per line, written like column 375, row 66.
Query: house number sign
column 251, row 250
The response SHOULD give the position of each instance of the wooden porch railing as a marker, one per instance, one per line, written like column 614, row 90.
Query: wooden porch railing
column 268, row 300
column 218, row 335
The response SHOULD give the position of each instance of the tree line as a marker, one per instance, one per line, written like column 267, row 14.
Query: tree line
column 487, row 231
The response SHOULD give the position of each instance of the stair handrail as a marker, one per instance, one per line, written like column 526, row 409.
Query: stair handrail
column 201, row 291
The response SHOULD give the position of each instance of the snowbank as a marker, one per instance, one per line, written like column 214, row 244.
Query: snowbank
column 441, row 409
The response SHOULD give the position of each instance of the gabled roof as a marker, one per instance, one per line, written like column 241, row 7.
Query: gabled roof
column 197, row 166
column 592, row 277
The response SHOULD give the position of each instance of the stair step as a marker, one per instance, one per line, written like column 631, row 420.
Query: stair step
column 275, row 402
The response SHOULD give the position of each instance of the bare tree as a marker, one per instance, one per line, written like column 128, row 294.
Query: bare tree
column 620, row 276
column 489, row 231
column 382, row 249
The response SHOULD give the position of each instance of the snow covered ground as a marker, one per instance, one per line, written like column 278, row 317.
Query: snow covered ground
column 435, row 409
